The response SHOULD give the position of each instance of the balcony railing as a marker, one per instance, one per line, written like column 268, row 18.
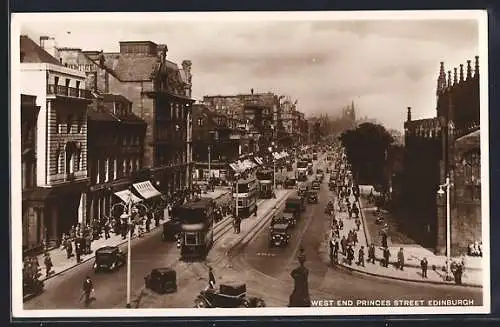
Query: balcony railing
column 61, row 90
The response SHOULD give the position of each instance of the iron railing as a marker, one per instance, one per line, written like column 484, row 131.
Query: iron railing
column 62, row 90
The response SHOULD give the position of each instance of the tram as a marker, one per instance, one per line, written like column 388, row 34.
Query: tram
column 265, row 178
column 196, row 219
column 246, row 192
column 302, row 170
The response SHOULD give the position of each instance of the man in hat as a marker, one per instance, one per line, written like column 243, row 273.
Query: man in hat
column 211, row 278
column 361, row 256
column 87, row 290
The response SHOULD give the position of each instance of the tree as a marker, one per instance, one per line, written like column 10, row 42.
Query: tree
column 366, row 149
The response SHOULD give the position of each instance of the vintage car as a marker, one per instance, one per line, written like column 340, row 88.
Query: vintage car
column 331, row 185
column 303, row 188
column 315, row 156
column 312, row 197
column 319, row 174
column 316, row 185
column 161, row 280
column 290, row 183
column 281, row 219
column 229, row 295
column 290, row 218
column 171, row 228
column 108, row 258
column 279, row 236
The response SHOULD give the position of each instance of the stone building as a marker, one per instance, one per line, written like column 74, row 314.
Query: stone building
column 446, row 146
column 61, row 140
column 33, row 227
column 115, row 142
column 160, row 93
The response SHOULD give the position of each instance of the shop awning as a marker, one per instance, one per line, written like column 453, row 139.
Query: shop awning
column 258, row 160
column 146, row 190
column 248, row 164
column 234, row 166
column 126, row 196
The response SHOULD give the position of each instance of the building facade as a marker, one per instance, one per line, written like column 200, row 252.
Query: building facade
column 446, row 146
column 61, row 140
column 160, row 93
column 33, row 227
column 115, row 142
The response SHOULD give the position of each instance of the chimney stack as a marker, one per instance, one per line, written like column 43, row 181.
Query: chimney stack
column 476, row 68
column 461, row 73
column 251, row 91
column 455, row 77
column 469, row 70
column 408, row 114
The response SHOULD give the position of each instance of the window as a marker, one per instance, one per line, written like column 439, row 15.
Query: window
column 77, row 85
column 78, row 160
column 171, row 111
column 176, row 111
column 59, row 125
column 124, row 167
column 200, row 122
column 131, row 165
column 69, row 123
column 60, row 161
column 137, row 164
column 56, row 80
column 106, row 170
column 115, row 168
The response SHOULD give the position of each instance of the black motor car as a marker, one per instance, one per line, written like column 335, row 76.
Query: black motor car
column 290, row 183
column 290, row 218
column 312, row 197
column 316, row 185
column 108, row 258
column 161, row 280
column 229, row 295
column 279, row 235
column 303, row 189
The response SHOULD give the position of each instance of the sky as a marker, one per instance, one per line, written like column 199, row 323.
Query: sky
column 383, row 65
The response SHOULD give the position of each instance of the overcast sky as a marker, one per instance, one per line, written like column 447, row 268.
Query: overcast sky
column 382, row 65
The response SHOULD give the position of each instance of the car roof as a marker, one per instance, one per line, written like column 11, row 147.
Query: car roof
column 107, row 249
column 280, row 226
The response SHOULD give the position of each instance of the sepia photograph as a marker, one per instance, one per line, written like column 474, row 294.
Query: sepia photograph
column 249, row 164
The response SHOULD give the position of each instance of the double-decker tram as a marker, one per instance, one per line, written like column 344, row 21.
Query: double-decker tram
column 265, row 178
column 302, row 170
column 246, row 192
column 196, row 219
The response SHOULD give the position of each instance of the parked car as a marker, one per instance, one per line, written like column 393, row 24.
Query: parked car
column 316, row 185
column 108, row 258
column 161, row 280
column 229, row 295
column 290, row 183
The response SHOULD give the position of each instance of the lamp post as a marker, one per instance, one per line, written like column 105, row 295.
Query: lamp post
column 442, row 189
column 209, row 163
column 274, row 165
column 237, row 176
column 128, row 209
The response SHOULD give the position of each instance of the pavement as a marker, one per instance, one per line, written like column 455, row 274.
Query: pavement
column 471, row 277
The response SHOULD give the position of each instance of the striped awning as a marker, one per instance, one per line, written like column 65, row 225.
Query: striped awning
column 127, row 196
column 146, row 190
column 258, row 160
column 234, row 166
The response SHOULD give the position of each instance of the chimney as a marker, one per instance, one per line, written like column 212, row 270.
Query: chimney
column 251, row 91
column 455, row 77
column 461, row 73
column 476, row 68
column 408, row 114
column 49, row 44
column 469, row 70
column 449, row 78
column 441, row 81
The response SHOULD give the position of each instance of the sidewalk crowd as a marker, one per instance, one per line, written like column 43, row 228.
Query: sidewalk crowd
column 350, row 238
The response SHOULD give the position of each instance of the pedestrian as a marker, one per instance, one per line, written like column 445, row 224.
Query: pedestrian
column 401, row 259
column 336, row 251
column 371, row 253
column 384, row 239
column 211, row 278
column 69, row 248
column 48, row 264
column 355, row 237
column 107, row 228
column 361, row 256
column 87, row 291
column 387, row 254
column 332, row 247
column 423, row 265
column 358, row 223
column 343, row 245
column 78, row 249
column 350, row 255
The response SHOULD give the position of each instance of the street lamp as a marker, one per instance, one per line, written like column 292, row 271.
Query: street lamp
column 209, row 163
column 445, row 188
column 128, row 209
column 237, row 176
column 274, row 166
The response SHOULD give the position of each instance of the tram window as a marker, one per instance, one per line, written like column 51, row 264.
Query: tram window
column 190, row 238
column 240, row 203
